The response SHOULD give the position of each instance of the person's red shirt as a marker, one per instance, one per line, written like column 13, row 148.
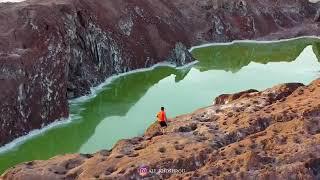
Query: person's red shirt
column 162, row 116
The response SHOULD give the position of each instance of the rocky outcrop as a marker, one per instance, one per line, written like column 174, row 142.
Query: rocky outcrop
column 272, row 134
column 54, row 50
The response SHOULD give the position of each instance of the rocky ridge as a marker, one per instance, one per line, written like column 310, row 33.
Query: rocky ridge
column 272, row 134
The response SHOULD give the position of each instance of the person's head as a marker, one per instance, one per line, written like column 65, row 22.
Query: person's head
column 162, row 108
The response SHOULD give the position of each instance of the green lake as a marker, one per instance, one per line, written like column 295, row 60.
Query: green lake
column 126, row 106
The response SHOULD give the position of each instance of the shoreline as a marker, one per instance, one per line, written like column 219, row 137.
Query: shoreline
column 252, row 41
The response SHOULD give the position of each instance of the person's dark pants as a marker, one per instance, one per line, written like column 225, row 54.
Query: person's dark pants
column 163, row 124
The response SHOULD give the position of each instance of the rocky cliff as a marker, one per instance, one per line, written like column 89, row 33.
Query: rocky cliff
column 54, row 50
column 272, row 134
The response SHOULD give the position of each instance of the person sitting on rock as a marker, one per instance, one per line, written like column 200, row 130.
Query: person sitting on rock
column 162, row 118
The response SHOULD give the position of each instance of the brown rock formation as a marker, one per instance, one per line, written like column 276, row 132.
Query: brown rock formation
column 273, row 134
column 54, row 50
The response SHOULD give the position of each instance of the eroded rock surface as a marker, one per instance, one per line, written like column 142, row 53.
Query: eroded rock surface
column 272, row 134
column 54, row 50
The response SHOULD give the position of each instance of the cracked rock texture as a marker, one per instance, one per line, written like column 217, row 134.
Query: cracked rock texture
column 272, row 134
column 52, row 51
